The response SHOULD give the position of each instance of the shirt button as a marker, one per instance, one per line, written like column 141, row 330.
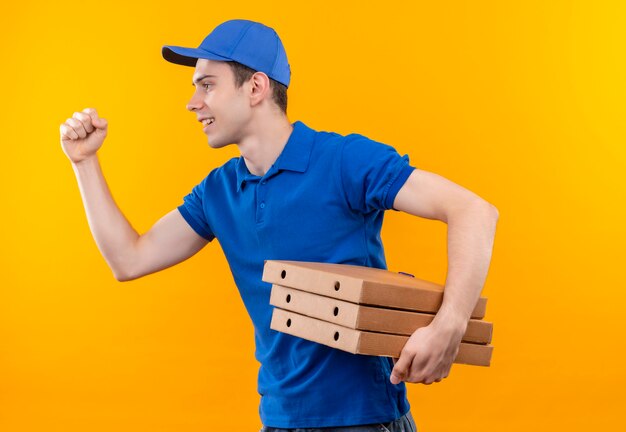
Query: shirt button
column 262, row 205
column 264, row 182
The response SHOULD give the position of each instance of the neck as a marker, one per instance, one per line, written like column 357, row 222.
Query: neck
column 261, row 149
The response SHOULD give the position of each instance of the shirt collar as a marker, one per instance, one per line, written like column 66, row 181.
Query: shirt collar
column 294, row 157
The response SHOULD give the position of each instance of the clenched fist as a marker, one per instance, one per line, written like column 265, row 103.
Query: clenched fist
column 83, row 134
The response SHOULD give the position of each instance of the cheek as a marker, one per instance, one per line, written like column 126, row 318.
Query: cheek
column 236, row 108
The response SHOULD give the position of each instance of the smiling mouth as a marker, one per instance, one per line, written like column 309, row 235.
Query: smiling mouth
column 208, row 121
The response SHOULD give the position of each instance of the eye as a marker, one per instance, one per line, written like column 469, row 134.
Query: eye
column 206, row 85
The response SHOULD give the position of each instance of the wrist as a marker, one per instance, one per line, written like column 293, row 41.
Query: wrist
column 86, row 162
column 449, row 322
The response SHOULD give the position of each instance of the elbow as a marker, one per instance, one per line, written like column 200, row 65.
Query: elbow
column 124, row 275
column 123, row 267
column 494, row 211
column 477, row 208
column 487, row 210
column 493, row 216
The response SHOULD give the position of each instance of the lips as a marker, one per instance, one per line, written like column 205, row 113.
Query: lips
column 206, row 120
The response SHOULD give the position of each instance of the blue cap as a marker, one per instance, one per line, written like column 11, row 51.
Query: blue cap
column 247, row 42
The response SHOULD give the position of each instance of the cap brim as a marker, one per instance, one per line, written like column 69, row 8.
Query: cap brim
column 188, row 56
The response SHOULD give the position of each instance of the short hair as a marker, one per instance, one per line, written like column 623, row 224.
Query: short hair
column 244, row 73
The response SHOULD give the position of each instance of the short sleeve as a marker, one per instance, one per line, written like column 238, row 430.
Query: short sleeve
column 192, row 211
column 372, row 173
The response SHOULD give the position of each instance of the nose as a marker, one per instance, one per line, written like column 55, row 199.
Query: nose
column 195, row 103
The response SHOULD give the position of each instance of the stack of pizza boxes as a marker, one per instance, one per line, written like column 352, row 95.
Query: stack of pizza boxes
column 364, row 310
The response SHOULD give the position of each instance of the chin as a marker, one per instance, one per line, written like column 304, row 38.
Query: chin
column 217, row 144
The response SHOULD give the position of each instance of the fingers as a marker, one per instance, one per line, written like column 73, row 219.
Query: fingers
column 401, row 369
column 85, row 120
column 82, row 124
column 91, row 112
column 430, row 380
column 412, row 368
column 68, row 133
column 98, row 122
column 428, row 373
column 77, row 126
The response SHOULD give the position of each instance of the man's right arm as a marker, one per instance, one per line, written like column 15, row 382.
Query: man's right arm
column 128, row 254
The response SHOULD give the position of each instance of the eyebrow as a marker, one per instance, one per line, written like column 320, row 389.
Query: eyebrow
column 200, row 78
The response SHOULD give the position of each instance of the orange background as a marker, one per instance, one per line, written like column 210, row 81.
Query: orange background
column 520, row 102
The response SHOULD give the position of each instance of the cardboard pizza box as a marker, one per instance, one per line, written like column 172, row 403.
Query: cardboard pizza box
column 361, row 285
column 363, row 342
column 369, row 318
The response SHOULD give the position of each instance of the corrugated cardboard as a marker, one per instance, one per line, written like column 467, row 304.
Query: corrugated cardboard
column 363, row 342
column 368, row 318
column 362, row 285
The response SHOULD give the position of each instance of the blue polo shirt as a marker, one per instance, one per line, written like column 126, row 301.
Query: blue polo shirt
column 323, row 200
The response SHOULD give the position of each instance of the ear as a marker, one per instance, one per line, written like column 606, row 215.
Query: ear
column 260, row 87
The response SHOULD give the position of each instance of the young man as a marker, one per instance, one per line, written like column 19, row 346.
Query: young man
column 294, row 194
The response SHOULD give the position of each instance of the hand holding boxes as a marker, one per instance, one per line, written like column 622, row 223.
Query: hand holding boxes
column 363, row 310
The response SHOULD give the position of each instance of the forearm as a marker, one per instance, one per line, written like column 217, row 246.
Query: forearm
column 471, row 233
column 112, row 232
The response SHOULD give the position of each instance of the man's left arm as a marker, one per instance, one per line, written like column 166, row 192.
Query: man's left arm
column 430, row 351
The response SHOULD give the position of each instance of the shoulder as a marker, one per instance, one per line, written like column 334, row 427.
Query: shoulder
column 356, row 142
column 353, row 149
column 224, row 171
column 325, row 140
column 347, row 143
